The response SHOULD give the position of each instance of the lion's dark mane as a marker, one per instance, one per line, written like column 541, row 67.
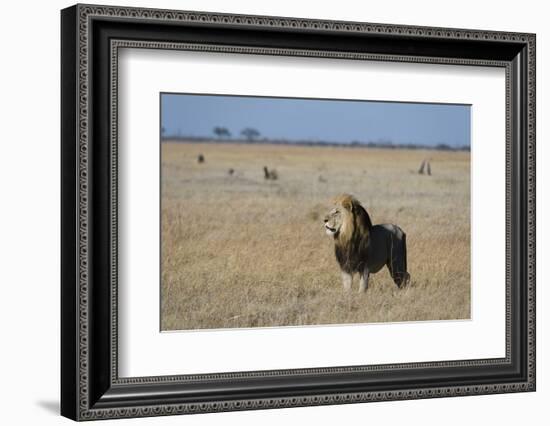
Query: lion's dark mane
column 352, row 256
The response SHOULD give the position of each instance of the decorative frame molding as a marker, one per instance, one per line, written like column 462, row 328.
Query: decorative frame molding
column 91, row 37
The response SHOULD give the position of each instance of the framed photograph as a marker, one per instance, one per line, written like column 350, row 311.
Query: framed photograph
column 263, row 212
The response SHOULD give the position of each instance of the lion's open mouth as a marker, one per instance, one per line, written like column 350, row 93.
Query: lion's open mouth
column 330, row 230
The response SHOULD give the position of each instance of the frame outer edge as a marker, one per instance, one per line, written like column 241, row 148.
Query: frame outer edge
column 81, row 343
column 531, row 200
column 83, row 198
column 69, row 287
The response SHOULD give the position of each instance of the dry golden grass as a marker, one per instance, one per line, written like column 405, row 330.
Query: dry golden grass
column 240, row 251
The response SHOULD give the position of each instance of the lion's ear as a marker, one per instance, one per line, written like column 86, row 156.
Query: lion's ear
column 347, row 203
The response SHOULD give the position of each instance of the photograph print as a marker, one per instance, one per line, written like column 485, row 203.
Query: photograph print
column 300, row 212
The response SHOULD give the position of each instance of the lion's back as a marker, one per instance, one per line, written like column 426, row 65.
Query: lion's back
column 389, row 229
column 385, row 239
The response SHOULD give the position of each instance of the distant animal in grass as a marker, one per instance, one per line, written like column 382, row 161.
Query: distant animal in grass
column 270, row 174
column 322, row 179
column 363, row 248
column 425, row 165
column 231, row 172
column 200, row 158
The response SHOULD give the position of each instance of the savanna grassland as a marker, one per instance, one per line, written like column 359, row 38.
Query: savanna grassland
column 242, row 251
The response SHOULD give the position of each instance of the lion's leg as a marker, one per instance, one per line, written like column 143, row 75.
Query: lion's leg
column 398, row 274
column 364, row 281
column 401, row 278
column 347, row 280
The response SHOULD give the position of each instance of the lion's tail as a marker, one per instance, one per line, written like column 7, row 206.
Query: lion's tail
column 398, row 269
column 405, row 252
column 406, row 275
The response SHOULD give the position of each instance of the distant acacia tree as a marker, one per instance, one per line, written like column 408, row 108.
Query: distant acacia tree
column 222, row 132
column 250, row 133
column 443, row 147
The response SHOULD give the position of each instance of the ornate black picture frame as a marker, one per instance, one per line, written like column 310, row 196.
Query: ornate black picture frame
column 90, row 385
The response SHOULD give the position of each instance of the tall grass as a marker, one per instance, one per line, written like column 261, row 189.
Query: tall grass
column 240, row 251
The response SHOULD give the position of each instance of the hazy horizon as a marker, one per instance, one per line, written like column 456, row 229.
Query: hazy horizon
column 316, row 120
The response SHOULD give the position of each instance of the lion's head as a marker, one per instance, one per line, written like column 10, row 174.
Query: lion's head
column 346, row 218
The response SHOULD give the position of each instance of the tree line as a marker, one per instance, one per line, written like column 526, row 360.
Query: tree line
column 252, row 134
column 249, row 133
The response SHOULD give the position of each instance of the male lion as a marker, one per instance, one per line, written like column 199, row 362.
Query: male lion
column 363, row 248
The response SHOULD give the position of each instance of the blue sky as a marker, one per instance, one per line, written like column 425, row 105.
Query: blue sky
column 317, row 120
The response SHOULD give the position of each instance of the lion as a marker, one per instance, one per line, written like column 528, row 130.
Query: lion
column 363, row 248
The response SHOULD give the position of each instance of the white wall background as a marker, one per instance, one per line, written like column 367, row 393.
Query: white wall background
column 29, row 213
